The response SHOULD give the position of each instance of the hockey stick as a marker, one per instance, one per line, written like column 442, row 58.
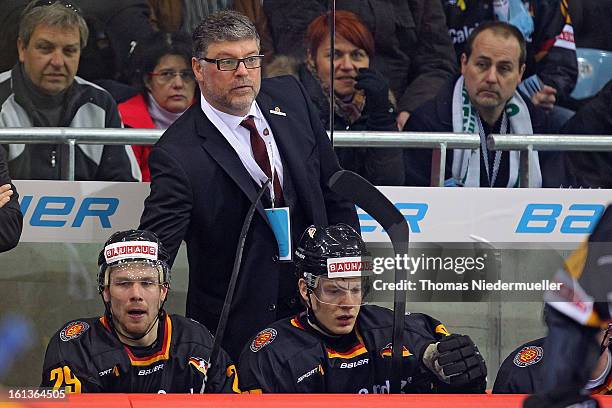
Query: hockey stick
column 216, row 347
column 358, row 190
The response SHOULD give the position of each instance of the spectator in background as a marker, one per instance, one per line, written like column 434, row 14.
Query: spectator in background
column 362, row 98
column 114, row 27
column 413, row 50
column 167, row 87
column 551, row 66
column 590, row 17
column 588, row 169
column 183, row 15
column 11, row 219
column 9, row 28
column 42, row 90
column 484, row 100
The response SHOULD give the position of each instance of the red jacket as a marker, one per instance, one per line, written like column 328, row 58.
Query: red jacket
column 135, row 114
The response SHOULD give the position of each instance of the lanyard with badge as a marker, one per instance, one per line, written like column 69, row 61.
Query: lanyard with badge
column 279, row 218
column 485, row 150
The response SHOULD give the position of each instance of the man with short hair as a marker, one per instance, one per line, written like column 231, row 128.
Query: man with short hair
column 341, row 345
column 483, row 100
column 42, row 90
column 135, row 346
column 208, row 166
column 551, row 65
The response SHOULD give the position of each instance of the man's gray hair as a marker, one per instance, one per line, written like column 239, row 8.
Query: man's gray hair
column 225, row 25
column 54, row 15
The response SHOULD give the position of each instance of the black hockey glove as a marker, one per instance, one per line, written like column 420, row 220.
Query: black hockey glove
column 455, row 360
column 381, row 115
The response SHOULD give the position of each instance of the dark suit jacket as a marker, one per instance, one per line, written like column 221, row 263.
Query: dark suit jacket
column 200, row 193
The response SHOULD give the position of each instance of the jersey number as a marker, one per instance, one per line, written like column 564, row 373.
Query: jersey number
column 63, row 376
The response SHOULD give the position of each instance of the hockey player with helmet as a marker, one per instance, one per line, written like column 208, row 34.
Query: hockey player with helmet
column 135, row 346
column 340, row 345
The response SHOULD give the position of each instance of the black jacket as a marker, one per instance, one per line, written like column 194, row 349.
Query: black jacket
column 86, row 356
column 201, row 192
column 291, row 357
column 589, row 16
column 11, row 219
column 413, row 51
column 9, row 31
column 555, row 65
column 590, row 169
column 83, row 105
column 436, row 116
column 381, row 167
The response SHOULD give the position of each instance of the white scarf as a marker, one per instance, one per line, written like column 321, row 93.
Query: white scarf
column 466, row 163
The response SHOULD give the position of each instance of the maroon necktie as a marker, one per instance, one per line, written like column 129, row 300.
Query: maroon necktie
column 261, row 157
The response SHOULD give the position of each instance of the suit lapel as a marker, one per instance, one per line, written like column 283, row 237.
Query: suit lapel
column 225, row 156
column 289, row 150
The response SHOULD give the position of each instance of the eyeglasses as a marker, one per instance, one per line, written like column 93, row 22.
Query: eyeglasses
column 165, row 77
column 232, row 64
column 68, row 4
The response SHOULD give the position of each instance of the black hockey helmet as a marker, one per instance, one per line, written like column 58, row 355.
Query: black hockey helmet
column 125, row 247
column 333, row 251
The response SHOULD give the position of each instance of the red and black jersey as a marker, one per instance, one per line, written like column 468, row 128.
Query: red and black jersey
column 291, row 356
column 524, row 371
column 87, row 356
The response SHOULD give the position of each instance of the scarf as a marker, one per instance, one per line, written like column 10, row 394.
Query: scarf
column 162, row 118
column 349, row 109
column 466, row 163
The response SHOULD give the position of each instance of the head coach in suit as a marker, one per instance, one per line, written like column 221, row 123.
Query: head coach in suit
column 205, row 173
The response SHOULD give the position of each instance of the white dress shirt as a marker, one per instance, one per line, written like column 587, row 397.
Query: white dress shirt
column 240, row 139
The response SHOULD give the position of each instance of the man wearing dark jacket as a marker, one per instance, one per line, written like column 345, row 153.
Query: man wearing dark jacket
column 208, row 166
column 11, row 219
column 42, row 90
column 483, row 100
column 413, row 50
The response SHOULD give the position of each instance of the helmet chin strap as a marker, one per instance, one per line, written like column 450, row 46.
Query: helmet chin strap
column 314, row 322
column 109, row 315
